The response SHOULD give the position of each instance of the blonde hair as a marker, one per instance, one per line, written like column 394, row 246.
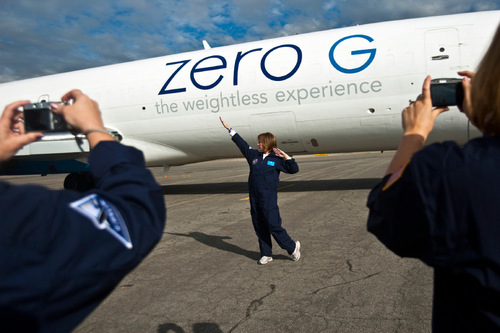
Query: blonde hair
column 485, row 90
column 268, row 141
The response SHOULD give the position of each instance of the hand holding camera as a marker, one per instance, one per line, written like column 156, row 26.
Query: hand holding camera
column 38, row 117
column 23, row 122
column 466, row 105
column 419, row 116
column 12, row 134
column 83, row 114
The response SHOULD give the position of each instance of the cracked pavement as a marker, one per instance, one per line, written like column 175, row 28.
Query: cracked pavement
column 203, row 275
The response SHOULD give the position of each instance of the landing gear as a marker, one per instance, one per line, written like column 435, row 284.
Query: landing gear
column 79, row 181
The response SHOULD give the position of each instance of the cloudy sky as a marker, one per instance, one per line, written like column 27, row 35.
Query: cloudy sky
column 46, row 37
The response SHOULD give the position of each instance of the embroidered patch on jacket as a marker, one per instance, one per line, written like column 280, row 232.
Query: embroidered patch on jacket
column 255, row 161
column 271, row 163
column 105, row 216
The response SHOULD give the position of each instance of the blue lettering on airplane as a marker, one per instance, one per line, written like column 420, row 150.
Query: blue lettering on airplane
column 221, row 63
column 371, row 52
column 197, row 69
column 286, row 76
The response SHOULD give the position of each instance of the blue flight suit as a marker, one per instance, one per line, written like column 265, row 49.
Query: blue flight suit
column 444, row 210
column 262, row 185
column 62, row 252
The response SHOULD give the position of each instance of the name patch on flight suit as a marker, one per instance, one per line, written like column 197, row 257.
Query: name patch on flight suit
column 104, row 216
column 271, row 163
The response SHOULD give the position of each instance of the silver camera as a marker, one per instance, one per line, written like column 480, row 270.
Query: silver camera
column 38, row 117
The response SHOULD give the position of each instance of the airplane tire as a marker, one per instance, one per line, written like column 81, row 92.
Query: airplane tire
column 79, row 181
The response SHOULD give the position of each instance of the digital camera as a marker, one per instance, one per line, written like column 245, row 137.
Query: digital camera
column 38, row 117
column 447, row 92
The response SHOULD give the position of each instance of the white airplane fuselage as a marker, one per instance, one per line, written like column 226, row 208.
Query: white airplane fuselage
column 340, row 90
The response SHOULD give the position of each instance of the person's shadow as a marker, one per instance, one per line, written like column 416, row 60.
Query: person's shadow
column 219, row 242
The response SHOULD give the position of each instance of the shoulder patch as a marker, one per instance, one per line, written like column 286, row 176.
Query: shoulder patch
column 104, row 216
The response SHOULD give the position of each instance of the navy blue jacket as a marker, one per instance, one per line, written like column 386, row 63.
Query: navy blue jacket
column 264, row 173
column 445, row 210
column 62, row 252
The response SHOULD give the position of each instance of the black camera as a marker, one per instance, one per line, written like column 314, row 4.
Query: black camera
column 447, row 92
column 38, row 117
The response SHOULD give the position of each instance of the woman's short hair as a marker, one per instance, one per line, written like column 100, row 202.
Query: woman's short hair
column 268, row 141
column 485, row 91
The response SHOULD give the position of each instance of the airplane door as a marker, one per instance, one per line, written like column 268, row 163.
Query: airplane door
column 282, row 125
column 442, row 49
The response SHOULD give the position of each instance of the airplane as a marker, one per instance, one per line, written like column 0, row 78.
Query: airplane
column 339, row 90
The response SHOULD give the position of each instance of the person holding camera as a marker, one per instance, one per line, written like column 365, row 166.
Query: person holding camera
column 439, row 203
column 62, row 252
column 265, row 167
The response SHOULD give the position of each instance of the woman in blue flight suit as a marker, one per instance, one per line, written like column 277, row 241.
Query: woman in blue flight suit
column 265, row 167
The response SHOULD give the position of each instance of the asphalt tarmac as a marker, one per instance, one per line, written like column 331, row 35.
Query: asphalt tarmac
column 203, row 276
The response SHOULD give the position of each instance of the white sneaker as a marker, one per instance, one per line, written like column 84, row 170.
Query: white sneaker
column 296, row 253
column 264, row 260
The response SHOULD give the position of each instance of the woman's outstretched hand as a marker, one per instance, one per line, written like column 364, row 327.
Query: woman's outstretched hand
column 226, row 126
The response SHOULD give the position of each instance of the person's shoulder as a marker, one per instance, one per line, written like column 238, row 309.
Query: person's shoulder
column 476, row 148
column 442, row 146
column 449, row 155
column 272, row 156
column 485, row 144
column 478, row 144
column 439, row 150
column 434, row 159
